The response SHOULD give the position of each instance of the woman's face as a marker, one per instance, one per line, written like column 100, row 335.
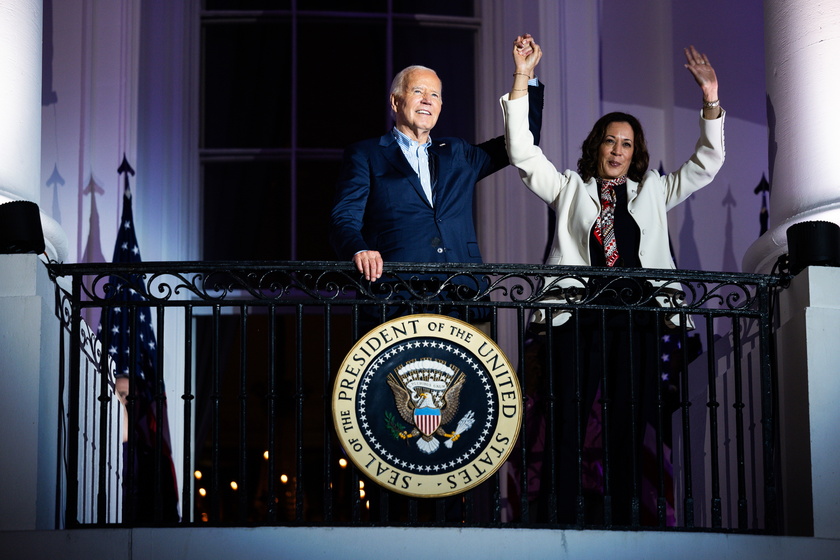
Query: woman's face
column 616, row 151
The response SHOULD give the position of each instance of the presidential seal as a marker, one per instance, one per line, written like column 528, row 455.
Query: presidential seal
column 427, row 406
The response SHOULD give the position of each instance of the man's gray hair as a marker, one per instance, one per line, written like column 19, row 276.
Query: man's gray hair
column 398, row 84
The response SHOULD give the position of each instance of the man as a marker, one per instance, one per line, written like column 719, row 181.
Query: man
column 405, row 197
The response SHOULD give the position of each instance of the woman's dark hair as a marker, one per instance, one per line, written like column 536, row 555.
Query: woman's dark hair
column 588, row 162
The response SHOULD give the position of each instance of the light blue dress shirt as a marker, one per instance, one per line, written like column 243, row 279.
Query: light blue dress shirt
column 417, row 155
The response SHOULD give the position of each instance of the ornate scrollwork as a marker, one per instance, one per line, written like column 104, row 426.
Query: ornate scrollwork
column 482, row 285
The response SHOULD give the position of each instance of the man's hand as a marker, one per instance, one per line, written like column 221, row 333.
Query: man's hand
column 369, row 263
column 526, row 54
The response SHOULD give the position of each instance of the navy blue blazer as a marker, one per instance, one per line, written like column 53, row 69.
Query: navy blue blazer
column 380, row 204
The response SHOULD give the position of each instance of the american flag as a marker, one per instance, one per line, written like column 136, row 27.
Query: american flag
column 149, row 494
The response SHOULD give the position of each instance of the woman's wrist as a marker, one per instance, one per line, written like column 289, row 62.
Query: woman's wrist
column 710, row 95
column 712, row 111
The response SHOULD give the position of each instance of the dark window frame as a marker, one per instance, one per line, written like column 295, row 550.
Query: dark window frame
column 303, row 224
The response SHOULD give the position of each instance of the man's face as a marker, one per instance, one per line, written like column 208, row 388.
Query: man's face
column 417, row 108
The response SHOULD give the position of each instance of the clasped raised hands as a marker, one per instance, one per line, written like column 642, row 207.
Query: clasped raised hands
column 526, row 54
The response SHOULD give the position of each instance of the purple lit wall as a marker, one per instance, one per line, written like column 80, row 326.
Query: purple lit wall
column 125, row 75
column 642, row 72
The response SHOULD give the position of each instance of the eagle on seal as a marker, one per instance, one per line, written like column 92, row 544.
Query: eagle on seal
column 419, row 409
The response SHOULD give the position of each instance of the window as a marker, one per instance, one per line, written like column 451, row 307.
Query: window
column 286, row 85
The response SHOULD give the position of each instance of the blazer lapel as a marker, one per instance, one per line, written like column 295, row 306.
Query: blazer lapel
column 393, row 153
column 440, row 157
column 632, row 192
column 592, row 191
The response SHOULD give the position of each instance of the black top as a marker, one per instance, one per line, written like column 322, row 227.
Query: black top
column 627, row 236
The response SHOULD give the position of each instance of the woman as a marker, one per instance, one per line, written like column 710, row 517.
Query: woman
column 611, row 212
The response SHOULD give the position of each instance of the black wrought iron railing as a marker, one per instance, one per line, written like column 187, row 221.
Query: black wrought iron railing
column 201, row 393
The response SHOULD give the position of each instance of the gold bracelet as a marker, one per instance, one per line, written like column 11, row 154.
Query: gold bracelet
column 521, row 74
column 711, row 104
column 515, row 89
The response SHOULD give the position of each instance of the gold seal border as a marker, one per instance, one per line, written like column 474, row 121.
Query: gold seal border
column 497, row 368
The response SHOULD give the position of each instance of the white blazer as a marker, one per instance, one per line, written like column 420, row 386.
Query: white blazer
column 577, row 204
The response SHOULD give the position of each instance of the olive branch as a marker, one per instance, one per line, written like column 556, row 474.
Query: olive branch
column 393, row 425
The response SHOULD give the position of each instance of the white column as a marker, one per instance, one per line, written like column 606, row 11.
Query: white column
column 802, row 53
column 21, row 26
column 808, row 394
column 28, row 329
column 29, row 357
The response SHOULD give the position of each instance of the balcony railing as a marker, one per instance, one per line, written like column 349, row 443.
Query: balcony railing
column 242, row 432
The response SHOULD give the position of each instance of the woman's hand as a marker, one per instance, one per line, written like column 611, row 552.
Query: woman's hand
column 704, row 74
column 526, row 56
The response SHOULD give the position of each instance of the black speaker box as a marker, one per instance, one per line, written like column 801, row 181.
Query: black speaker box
column 813, row 244
column 20, row 228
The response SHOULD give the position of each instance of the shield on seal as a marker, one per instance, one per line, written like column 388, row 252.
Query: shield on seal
column 427, row 420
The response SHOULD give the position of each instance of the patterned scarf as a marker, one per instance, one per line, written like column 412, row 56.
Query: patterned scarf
column 605, row 224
